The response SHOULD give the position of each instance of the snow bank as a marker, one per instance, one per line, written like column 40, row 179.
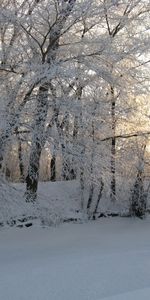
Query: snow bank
column 56, row 202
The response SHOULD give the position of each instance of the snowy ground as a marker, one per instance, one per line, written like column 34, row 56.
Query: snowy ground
column 108, row 259
column 57, row 201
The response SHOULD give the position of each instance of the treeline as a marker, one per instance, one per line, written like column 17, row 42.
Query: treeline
column 74, row 97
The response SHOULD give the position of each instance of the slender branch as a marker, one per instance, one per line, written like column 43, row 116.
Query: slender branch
column 126, row 136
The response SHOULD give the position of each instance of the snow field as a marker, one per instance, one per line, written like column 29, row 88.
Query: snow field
column 108, row 259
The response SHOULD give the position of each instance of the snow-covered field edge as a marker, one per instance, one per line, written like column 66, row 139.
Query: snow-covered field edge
column 57, row 202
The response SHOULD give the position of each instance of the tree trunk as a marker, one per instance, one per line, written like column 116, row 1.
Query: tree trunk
column 20, row 156
column 90, row 197
column 1, row 154
column 38, row 141
column 21, row 165
column 53, row 167
column 113, row 147
column 91, row 168
column 33, row 174
column 76, row 128
column 66, row 163
column 98, row 198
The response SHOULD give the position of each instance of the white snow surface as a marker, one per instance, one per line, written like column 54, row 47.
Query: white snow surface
column 108, row 259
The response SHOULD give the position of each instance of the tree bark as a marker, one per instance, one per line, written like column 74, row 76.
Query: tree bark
column 38, row 141
column 53, row 167
column 113, row 147
column 21, row 165
column 91, row 168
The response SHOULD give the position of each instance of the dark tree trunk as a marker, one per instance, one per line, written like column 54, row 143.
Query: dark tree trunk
column 82, row 184
column 66, row 164
column 38, row 141
column 33, row 173
column 31, row 188
column 1, row 153
column 76, row 128
column 90, row 197
column 99, row 198
column 91, row 168
column 21, row 165
column 53, row 167
column 7, row 173
column 20, row 157
column 113, row 147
